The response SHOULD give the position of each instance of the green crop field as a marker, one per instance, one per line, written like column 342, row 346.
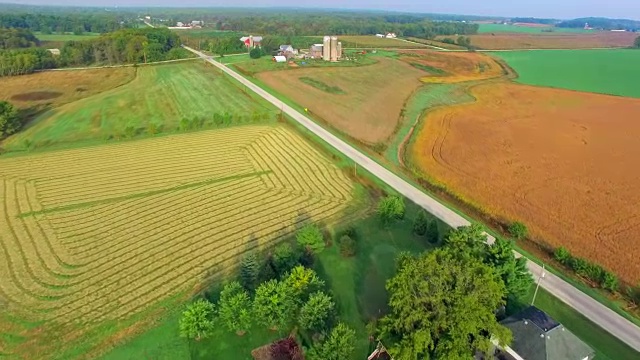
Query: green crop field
column 499, row 28
column 66, row 37
column 161, row 95
column 612, row 71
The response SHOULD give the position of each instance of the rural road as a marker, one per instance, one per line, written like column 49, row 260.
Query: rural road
column 615, row 324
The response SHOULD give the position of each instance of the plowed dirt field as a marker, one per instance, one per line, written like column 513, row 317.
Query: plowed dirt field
column 453, row 67
column 563, row 162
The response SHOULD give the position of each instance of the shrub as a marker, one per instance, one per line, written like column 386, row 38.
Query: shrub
column 391, row 208
column 284, row 258
column 433, row 234
column 255, row 53
column 518, row 230
column 310, row 237
column 563, row 256
column 609, row 281
column 347, row 246
column 130, row 131
column 420, row 223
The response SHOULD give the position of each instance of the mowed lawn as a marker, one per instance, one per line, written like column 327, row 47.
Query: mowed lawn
column 612, row 71
column 162, row 94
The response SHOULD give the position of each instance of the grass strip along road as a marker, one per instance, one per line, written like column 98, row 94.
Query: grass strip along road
column 606, row 318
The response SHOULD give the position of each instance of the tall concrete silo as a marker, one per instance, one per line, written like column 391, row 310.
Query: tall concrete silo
column 326, row 48
column 334, row 48
column 339, row 50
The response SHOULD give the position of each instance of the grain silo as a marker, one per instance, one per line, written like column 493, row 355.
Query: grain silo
column 334, row 48
column 326, row 48
column 339, row 50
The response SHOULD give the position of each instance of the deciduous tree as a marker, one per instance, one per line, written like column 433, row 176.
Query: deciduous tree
column 284, row 258
column 302, row 281
column 234, row 308
column 316, row 311
column 338, row 346
column 442, row 306
column 420, row 223
column 274, row 304
column 518, row 230
column 197, row 321
column 9, row 120
column 636, row 43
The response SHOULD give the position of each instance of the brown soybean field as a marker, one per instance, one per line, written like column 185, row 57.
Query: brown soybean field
column 563, row 162
column 602, row 39
column 94, row 236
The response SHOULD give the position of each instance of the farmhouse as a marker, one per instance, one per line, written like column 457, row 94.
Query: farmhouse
column 252, row 41
column 287, row 51
column 536, row 336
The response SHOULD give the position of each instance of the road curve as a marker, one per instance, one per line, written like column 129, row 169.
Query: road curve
column 609, row 320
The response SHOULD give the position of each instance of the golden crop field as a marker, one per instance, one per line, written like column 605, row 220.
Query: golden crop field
column 95, row 235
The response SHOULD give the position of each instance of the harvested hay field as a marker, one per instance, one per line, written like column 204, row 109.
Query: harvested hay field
column 373, row 98
column 94, row 237
column 372, row 41
column 54, row 88
column 562, row 162
column 449, row 67
column 604, row 39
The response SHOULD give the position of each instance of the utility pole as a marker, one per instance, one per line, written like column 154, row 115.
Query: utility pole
column 535, row 293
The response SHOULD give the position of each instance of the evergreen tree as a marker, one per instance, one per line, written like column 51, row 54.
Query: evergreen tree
column 420, row 223
column 250, row 272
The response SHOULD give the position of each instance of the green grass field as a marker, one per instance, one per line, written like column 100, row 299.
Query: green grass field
column 66, row 37
column 499, row 28
column 162, row 95
column 425, row 98
column 612, row 71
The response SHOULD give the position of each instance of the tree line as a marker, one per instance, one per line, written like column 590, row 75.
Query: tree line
column 601, row 23
column 127, row 46
column 278, row 292
column 66, row 22
column 17, row 38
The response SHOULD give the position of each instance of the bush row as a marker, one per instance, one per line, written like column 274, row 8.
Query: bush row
column 586, row 269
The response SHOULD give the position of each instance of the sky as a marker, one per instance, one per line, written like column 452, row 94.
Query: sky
column 561, row 9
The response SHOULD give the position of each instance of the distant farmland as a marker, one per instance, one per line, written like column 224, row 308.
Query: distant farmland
column 602, row 71
column 94, row 237
column 602, row 39
column 563, row 162
column 371, row 41
column 524, row 29
column 450, row 67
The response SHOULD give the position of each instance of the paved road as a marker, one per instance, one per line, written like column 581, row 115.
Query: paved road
column 615, row 324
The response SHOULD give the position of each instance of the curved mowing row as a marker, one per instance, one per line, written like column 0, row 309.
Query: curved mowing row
column 102, row 233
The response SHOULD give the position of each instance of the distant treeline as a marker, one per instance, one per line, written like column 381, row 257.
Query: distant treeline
column 60, row 23
column 602, row 23
column 307, row 25
column 129, row 46
column 531, row 20
column 17, row 38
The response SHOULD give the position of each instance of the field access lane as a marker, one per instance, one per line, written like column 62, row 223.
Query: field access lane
column 609, row 320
